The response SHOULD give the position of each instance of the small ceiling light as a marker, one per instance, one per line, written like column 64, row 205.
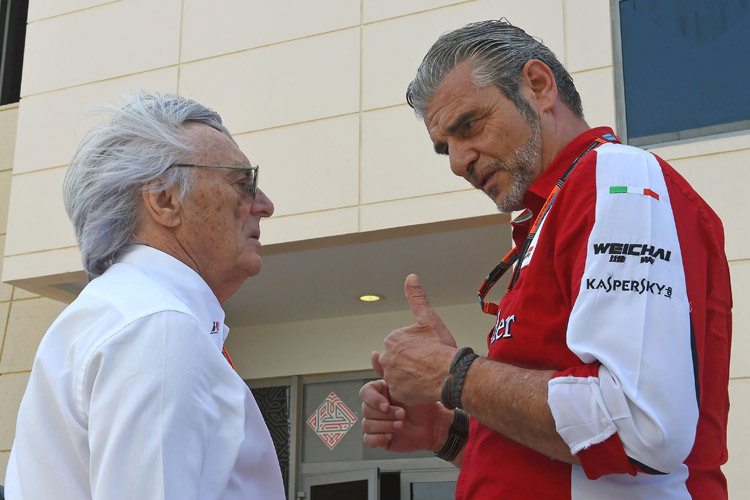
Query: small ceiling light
column 370, row 298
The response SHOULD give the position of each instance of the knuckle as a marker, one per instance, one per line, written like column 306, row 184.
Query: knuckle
column 384, row 358
column 364, row 390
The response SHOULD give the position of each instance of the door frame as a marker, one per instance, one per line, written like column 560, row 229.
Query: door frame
column 370, row 475
column 408, row 477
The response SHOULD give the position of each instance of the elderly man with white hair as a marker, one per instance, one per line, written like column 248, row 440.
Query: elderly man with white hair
column 132, row 394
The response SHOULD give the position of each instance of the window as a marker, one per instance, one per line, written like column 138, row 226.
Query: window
column 315, row 424
column 12, row 38
column 274, row 404
column 684, row 68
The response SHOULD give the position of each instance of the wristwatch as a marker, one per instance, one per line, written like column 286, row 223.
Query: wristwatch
column 457, row 434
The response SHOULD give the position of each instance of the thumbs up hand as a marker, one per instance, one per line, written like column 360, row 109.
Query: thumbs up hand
column 416, row 358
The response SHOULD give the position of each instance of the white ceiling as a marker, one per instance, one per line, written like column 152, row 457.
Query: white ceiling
column 324, row 278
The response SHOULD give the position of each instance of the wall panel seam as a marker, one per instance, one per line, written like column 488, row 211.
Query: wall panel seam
column 103, row 80
column 21, row 299
column 272, row 44
column 179, row 45
column 590, row 70
column 45, row 169
column 73, row 12
column 40, row 251
column 565, row 32
column 5, row 327
column 359, row 114
column 706, row 155
column 420, row 12
column 291, row 124
column 21, row 372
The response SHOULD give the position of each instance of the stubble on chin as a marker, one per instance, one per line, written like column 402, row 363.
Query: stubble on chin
column 522, row 168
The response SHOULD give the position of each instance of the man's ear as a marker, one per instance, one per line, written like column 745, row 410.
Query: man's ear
column 163, row 206
column 538, row 85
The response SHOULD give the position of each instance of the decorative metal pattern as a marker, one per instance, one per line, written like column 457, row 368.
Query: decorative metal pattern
column 332, row 420
column 274, row 406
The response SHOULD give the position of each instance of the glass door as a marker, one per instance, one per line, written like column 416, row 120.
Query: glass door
column 429, row 485
column 351, row 485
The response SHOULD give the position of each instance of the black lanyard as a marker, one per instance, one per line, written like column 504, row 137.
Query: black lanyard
column 513, row 256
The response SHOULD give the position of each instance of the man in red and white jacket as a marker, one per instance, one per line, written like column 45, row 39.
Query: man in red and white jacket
column 607, row 372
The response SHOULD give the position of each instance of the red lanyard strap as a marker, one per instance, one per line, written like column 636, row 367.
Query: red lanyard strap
column 513, row 256
column 226, row 356
column 492, row 278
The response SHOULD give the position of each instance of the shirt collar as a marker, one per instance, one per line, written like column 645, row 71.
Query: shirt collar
column 182, row 281
column 542, row 186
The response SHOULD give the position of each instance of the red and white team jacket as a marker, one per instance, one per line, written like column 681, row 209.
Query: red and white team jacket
column 625, row 292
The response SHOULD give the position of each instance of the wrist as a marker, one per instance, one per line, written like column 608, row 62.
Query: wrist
column 443, row 360
column 458, row 433
column 450, row 394
column 442, row 427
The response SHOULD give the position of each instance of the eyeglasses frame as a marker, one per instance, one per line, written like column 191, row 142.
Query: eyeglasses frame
column 252, row 168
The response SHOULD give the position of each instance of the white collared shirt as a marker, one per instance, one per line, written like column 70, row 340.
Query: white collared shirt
column 130, row 397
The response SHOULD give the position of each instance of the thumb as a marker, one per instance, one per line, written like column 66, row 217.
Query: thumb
column 416, row 297
column 375, row 361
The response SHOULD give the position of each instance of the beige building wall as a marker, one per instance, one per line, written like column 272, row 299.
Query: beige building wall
column 314, row 92
column 24, row 316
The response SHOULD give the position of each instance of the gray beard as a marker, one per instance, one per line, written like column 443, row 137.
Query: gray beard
column 524, row 159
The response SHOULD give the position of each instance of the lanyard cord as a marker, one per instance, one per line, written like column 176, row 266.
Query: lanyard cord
column 545, row 210
column 226, row 356
column 513, row 256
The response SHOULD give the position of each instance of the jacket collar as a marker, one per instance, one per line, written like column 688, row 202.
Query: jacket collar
column 184, row 283
column 542, row 186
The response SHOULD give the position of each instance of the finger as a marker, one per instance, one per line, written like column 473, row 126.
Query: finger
column 375, row 440
column 375, row 362
column 416, row 297
column 375, row 394
column 375, row 426
column 393, row 413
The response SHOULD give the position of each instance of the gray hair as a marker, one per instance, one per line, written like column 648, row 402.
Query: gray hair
column 103, row 185
column 498, row 52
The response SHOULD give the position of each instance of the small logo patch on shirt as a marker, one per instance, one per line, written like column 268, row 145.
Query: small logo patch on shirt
column 633, row 190
column 215, row 327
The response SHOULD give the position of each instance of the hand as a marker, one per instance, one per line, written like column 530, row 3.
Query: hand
column 416, row 358
column 396, row 427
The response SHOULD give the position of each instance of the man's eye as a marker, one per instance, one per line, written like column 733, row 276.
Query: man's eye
column 470, row 124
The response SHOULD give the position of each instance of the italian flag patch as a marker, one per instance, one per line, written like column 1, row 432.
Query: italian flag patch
column 633, row 190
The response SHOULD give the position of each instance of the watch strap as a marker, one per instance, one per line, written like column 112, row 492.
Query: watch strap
column 450, row 394
column 457, row 434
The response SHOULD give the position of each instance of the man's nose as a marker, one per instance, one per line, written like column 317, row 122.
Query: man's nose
column 262, row 204
column 462, row 159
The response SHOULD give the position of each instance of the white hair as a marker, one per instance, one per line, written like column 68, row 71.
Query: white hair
column 103, row 185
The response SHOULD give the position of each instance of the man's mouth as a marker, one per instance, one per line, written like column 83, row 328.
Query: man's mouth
column 484, row 177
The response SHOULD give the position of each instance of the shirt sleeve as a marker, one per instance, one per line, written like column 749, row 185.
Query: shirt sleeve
column 164, row 412
column 632, row 406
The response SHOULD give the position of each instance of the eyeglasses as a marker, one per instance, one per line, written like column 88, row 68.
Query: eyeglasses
column 250, row 186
